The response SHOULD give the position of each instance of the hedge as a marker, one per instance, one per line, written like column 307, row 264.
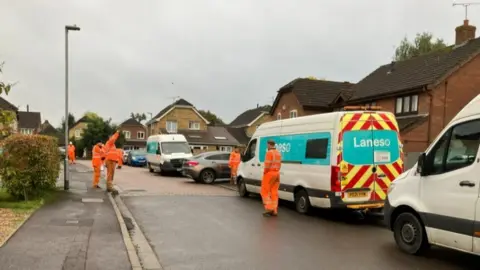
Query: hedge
column 29, row 165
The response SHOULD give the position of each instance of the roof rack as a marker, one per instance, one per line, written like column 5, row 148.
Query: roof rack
column 362, row 108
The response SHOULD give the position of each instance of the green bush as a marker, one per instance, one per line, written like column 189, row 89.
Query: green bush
column 29, row 165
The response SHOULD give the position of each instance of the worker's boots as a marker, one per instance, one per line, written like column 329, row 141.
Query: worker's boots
column 113, row 191
column 269, row 213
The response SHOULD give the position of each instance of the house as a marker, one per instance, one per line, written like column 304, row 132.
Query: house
column 7, row 106
column 307, row 96
column 49, row 130
column 29, row 122
column 76, row 130
column 425, row 92
column 135, row 134
column 181, row 117
column 244, row 125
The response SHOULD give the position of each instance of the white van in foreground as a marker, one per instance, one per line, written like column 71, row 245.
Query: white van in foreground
column 437, row 201
column 344, row 159
column 166, row 152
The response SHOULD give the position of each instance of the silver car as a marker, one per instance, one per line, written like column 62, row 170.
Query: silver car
column 207, row 167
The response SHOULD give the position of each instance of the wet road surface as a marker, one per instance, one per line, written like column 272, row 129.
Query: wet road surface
column 229, row 232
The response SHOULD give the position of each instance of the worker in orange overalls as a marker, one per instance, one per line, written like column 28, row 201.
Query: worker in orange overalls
column 120, row 158
column 271, row 180
column 71, row 153
column 233, row 163
column 98, row 156
column 111, row 159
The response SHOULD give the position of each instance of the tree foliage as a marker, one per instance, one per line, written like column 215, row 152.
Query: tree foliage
column 7, row 117
column 211, row 117
column 138, row 116
column 99, row 129
column 422, row 44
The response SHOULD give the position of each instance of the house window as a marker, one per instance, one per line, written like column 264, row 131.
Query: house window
column 127, row 134
column 194, row 125
column 317, row 148
column 279, row 116
column 406, row 105
column 140, row 135
column 171, row 126
column 293, row 113
column 226, row 148
column 77, row 133
column 26, row 131
column 371, row 104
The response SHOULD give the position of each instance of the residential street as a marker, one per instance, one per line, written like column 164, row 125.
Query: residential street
column 194, row 226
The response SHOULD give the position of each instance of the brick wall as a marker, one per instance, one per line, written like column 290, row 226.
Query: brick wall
column 134, row 132
column 183, row 116
column 291, row 103
column 251, row 129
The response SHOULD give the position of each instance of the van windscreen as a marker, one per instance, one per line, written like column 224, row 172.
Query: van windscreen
column 364, row 147
column 175, row 147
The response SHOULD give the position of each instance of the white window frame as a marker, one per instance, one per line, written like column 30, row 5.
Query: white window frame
column 194, row 125
column 173, row 126
column 293, row 114
column 26, row 131
column 78, row 133
column 279, row 116
column 142, row 137
column 226, row 148
column 202, row 147
column 412, row 105
column 127, row 134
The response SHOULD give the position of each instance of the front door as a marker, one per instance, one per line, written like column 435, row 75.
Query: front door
column 449, row 191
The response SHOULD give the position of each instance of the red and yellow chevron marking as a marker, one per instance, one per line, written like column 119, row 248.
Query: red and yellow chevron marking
column 361, row 176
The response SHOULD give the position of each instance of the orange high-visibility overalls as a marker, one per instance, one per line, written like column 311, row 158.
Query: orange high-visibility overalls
column 271, row 180
column 111, row 158
column 71, row 153
column 120, row 157
column 233, row 163
column 97, row 162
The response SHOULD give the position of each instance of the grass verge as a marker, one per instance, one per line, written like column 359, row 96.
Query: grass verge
column 13, row 213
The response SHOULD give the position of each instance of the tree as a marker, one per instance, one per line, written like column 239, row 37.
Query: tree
column 422, row 44
column 7, row 117
column 71, row 121
column 138, row 116
column 211, row 117
column 99, row 129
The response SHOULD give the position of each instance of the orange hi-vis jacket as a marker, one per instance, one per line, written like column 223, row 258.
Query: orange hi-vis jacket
column 234, row 160
column 110, row 148
column 120, row 155
column 97, row 154
column 273, row 161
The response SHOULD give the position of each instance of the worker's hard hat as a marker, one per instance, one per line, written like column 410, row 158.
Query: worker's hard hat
column 70, row 142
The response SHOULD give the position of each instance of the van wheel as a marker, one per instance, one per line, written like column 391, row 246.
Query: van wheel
column 150, row 169
column 302, row 202
column 242, row 188
column 409, row 234
column 207, row 176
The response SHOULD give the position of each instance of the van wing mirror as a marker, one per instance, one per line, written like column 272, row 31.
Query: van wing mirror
column 158, row 152
column 421, row 165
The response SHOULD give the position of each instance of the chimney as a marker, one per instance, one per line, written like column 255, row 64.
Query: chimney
column 27, row 108
column 464, row 33
column 257, row 105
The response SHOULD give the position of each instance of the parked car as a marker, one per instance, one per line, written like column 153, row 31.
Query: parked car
column 207, row 167
column 125, row 155
column 136, row 158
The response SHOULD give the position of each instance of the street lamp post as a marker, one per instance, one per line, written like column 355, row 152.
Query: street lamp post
column 66, row 180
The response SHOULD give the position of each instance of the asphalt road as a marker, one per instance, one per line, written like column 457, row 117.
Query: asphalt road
column 193, row 226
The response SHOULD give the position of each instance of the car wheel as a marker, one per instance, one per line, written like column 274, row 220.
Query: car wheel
column 242, row 188
column 302, row 202
column 410, row 234
column 150, row 169
column 207, row 176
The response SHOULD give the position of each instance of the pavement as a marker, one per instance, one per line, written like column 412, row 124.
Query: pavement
column 195, row 226
column 79, row 231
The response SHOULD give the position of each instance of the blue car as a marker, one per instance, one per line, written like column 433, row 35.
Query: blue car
column 137, row 158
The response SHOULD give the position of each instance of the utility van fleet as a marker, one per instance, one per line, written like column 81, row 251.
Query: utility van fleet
column 167, row 152
column 437, row 200
column 344, row 159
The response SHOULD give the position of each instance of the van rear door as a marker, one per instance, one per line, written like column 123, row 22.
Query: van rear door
column 368, row 143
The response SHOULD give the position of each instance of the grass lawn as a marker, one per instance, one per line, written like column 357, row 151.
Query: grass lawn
column 14, row 212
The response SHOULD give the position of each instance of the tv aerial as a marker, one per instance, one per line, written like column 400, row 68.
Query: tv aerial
column 465, row 5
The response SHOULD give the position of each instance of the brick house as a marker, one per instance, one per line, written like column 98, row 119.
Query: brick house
column 29, row 122
column 76, row 130
column 244, row 125
column 181, row 117
column 135, row 134
column 7, row 106
column 424, row 92
column 305, row 96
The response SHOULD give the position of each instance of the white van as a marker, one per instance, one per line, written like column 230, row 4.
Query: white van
column 437, row 200
column 166, row 152
column 344, row 159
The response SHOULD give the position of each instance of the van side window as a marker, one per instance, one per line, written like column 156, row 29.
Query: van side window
column 250, row 152
column 456, row 149
column 317, row 148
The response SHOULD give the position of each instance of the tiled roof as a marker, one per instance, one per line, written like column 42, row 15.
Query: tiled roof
column 313, row 93
column 239, row 134
column 131, row 122
column 48, row 129
column 5, row 105
column 81, row 120
column 248, row 116
column 212, row 136
column 29, row 119
column 415, row 73
column 407, row 123
column 180, row 102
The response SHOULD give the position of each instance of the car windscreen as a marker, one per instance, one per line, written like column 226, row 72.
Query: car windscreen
column 138, row 153
column 175, row 147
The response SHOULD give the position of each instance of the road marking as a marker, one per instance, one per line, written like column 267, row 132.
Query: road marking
column 92, row 200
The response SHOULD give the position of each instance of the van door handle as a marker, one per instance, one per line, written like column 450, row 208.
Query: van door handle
column 259, row 165
column 253, row 164
column 466, row 183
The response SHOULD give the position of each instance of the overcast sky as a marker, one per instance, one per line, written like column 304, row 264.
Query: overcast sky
column 221, row 55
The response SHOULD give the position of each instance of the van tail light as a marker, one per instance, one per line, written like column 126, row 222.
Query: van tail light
column 192, row 163
column 335, row 179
